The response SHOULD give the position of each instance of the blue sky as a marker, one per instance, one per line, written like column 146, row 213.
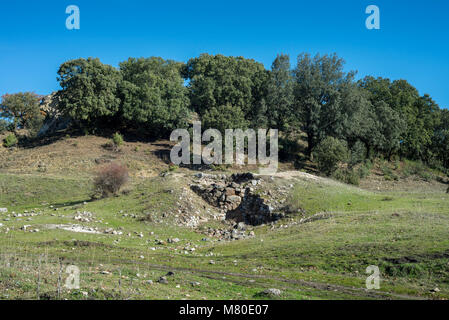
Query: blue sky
column 412, row 44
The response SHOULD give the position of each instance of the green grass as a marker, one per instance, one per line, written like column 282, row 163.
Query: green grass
column 405, row 234
column 30, row 191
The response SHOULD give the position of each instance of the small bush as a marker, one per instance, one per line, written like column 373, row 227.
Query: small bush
column 363, row 171
column 329, row 153
column 352, row 177
column 110, row 179
column 348, row 176
column 388, row 173
column 418, row 169
column 10, row 141
column 117, row 139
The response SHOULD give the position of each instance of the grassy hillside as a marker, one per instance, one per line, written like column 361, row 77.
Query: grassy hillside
column 321, row 251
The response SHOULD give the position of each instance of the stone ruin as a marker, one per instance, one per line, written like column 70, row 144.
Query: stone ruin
column 237, row 197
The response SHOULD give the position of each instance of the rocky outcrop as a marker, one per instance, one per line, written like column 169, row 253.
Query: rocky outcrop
column 236, row 195
column 54, row 119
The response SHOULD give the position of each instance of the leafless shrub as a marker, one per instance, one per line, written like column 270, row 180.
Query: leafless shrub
column 110, row 179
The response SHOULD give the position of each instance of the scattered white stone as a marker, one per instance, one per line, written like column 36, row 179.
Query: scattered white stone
column 273, row 292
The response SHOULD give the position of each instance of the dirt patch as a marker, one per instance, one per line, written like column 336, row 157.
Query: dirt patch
column 73, row 228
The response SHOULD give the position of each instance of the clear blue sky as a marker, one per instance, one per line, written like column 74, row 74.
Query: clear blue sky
column 413, row 42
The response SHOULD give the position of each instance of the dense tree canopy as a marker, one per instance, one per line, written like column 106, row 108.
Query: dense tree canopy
column 89, row 91
column 418, row 113
column 22, row 109
column 153, row 95
column 371, row 117
column 216, row 81
column 280, row 99
column 320, row 83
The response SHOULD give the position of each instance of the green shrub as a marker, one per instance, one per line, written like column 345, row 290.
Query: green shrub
column 10, row 141
column 358, row 153
column 363, row 171
column 34, row 124
column 418, row 169
column 329, row 153
column 117, row 139
column 388, row 173
column 348, row 176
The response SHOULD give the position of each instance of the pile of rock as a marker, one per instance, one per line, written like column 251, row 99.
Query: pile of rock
column 238, row 232
column 236, row 196
column 112, row 231
column 84, row 216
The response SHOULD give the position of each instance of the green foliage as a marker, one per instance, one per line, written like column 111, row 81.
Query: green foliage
column 154, row 98
column 440, row 139
column 224, row 117
column 329, row 153
column 217, row 80
column 357, row 153
column 280, row 96
column 289, row 147
column 388, row 173
column 117, row 139
column 10, row 140
column 34, row 124
column 364, row 170
column 89, row 91
column 148, row 96
column 22, row 108
column 4, row 126
column 414, row 117
column 418, row 169
column 388, row 130
column 320, row 85
column 346, row 175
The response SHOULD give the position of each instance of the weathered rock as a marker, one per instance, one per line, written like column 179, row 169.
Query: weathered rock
column 54, row 119
column 163, row 280
column 272, row 292
column 236, row 198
